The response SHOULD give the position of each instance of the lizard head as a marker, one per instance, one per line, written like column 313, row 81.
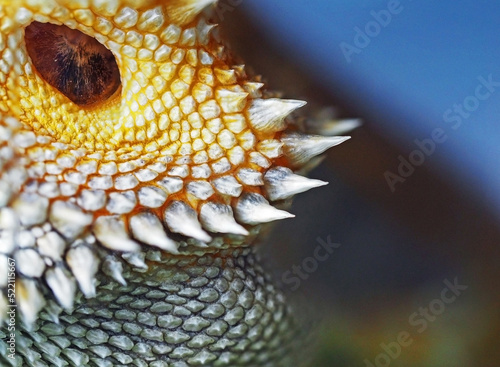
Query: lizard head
column 128, row 128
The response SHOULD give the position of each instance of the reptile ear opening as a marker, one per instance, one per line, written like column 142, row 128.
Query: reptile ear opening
column 80, row 67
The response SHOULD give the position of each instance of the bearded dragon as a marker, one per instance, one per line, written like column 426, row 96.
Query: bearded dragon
column 138, row 163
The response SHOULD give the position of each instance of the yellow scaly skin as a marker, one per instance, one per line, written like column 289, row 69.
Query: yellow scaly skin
column 129, row 218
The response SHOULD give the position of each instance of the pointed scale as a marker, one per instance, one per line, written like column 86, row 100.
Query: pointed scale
column 300, row 148
column 219, row 218
column 268, row 115
column 181, row 218
column 112, row 233
column 84, row 265
column 114, row 268
column 30, row 300
column 62, row 285
column 147, row 228
column 254, row 209
column 281, row 183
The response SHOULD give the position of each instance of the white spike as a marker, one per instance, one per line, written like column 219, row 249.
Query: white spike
column 29, row 299
column 135, row 259
column 219, row 218
column 62, row 285
column 335, row 127
column 111, row 232
column 181, row 218
column 184, row 11
column 300, row 148
column 84, row 264
column 114, row 268
column 325, row 122
column 281, row 183
column 68, row 219
column 254, row 209
column 147, row 228
column 227, row 185
column 268, row 115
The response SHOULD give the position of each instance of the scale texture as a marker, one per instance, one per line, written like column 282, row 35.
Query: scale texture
column 138, row 164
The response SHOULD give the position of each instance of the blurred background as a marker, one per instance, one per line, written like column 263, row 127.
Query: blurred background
column 405, row 68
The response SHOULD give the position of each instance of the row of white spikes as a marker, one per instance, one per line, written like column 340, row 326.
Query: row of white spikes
column 251, row 209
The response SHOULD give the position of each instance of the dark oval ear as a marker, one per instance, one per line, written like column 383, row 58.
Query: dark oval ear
column 77, row 65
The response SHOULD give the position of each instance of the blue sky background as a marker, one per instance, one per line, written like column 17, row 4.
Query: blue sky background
column 427, row 58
